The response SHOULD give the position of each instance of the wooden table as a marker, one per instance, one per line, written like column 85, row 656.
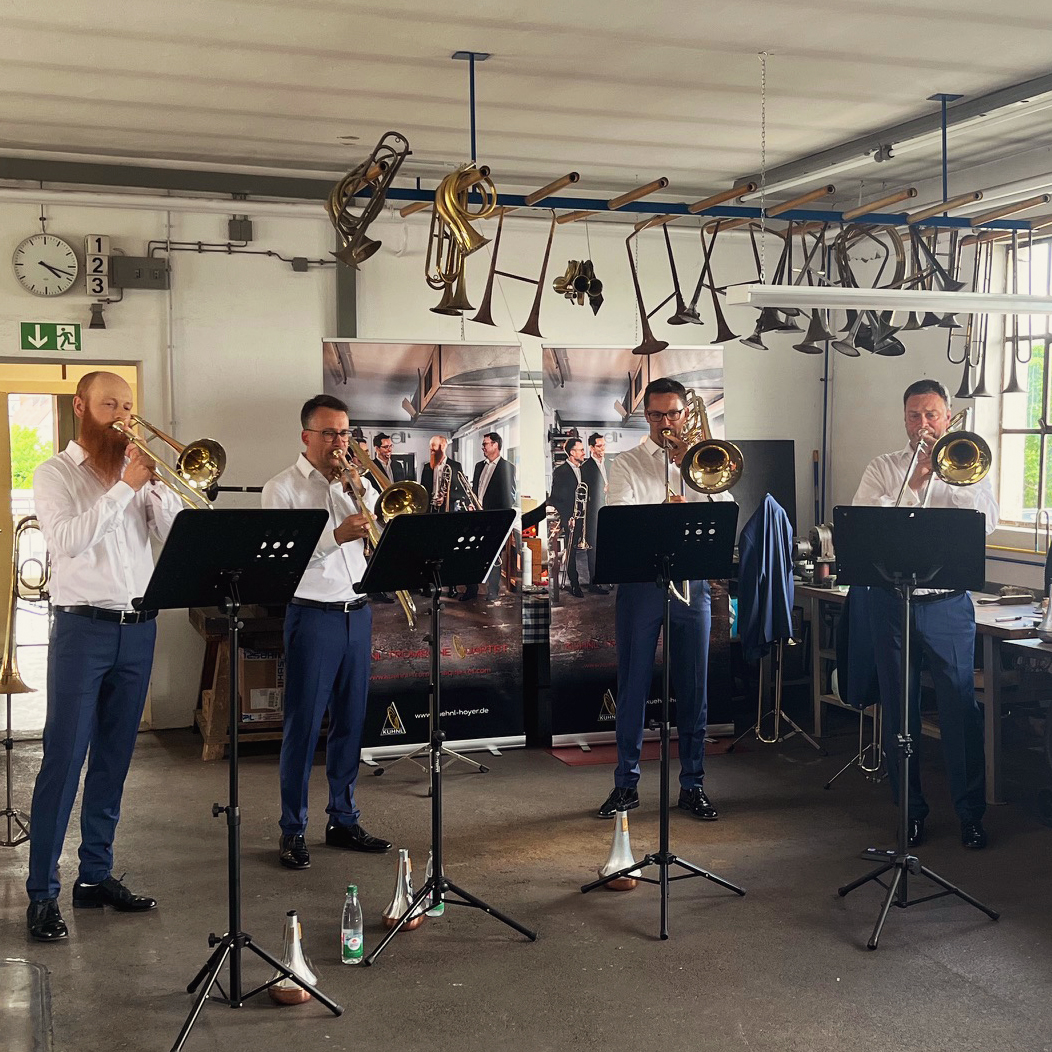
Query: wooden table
column 991, row 627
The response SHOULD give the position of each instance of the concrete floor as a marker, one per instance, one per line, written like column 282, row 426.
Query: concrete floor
column 783, row 969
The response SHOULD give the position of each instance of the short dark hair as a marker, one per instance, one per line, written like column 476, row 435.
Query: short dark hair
column 663, row 385
column 379, row 439
column 923, row 387
column 594, row 437
column 322, row 401
column 495, row 439
column 569, row 444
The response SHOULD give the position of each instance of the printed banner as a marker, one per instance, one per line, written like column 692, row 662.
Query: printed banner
column 455, row 406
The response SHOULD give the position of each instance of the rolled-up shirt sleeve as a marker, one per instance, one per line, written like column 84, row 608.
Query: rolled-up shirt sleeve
column 66, row 531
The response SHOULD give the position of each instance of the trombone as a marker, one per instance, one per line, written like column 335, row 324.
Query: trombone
column 197, row 468
column 474, row 504
column 959, row 458
column 396, row 498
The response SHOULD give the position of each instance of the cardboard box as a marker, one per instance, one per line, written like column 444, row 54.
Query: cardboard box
column 538, row 558
column 261, row 684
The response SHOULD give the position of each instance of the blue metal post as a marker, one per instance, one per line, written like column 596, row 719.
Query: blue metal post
column 471, row 82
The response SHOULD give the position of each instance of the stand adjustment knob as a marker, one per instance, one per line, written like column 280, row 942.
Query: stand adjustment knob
column 217, row 810
column 213, row 939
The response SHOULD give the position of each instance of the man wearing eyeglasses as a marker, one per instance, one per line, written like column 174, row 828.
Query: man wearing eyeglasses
column 328, row 640
column 638, row 477
column 565, row 480
column 383, row 449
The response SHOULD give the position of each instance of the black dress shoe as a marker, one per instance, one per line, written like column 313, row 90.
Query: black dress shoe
column 293, row 852
column 45, row 922
column 111, row 892
column 621, row 799
column 973, row 835
column 916, row 832
column 698, row 804
column 575, row 590
column 596, row 589
column 355, row 838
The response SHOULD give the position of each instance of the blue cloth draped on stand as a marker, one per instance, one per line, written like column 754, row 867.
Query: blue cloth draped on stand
column 765, row 579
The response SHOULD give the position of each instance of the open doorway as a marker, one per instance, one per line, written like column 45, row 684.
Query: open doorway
column 36, row 401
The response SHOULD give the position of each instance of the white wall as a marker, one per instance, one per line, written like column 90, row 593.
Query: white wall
column 245, row 334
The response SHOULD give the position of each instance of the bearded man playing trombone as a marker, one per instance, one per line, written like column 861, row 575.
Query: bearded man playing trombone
column 99, row 503
column 328, row 639
column 942, row 623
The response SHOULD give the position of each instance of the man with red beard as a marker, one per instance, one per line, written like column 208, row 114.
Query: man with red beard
column 98, row 503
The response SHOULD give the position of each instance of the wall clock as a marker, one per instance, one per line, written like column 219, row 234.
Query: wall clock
column 45, row 265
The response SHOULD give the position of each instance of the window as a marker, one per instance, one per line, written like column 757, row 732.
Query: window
column 1025, row 459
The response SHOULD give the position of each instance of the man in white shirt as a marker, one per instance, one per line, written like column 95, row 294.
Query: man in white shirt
column 98, row 503
column 942, row 626
column 328, row 640
column 637, row 476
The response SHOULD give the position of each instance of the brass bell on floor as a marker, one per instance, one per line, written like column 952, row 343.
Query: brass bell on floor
column 287, row 991
column 403, row 896
column 620, row 856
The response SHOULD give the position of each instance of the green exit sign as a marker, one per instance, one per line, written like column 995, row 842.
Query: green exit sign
column 50, row 336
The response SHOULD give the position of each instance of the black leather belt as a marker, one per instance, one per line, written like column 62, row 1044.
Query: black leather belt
column 934, row 597
column 121, row 617
column 342, row 608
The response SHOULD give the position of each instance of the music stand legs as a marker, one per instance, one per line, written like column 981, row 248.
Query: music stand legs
column 664, row 859
column 230, row 946
column 15, row 818
column 439, row 885
column 901, row 861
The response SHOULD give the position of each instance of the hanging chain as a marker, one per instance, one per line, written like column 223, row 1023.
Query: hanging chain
column 763, row 167
column 588, row 239
column 635, row 253
column 43, row 221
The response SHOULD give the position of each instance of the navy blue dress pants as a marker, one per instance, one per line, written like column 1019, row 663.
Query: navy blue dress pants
column 638, row 616
column 327, row 664
column 943, row 632
column 98, row 674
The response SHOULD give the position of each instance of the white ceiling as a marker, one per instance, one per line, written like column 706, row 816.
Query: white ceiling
column 620, row 92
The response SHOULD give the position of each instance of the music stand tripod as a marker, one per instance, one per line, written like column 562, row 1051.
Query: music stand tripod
column 692, row 541
column 439, row 550
column 15, row 818
column 907, row 548
column 226, row 558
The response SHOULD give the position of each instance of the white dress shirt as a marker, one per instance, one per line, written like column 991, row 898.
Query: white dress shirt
column 882, row 480
column 637, row 476
column 600, row 462
column 334, row 568
column 98, row 537
column 487, row 473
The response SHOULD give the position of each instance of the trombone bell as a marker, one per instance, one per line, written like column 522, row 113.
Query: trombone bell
column 962, row 458
column 712, row 466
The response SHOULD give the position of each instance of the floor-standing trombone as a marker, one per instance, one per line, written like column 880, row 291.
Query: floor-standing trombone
column 577, row 515
column 29, row 581
column 197, row 468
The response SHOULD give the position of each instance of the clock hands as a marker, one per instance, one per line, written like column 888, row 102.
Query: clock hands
column 57, row 271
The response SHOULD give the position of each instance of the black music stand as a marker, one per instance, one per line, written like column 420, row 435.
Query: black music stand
column 904, row 549
column 684, row 542
column 226, row 558
column 460, row 547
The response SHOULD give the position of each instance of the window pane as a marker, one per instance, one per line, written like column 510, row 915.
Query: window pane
column 1024, row 410
column 1019, row 464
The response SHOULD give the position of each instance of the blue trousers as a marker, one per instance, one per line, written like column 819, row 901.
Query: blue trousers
column 943, row 632
column 98, row 674
column 327, row 664
column 639, row 610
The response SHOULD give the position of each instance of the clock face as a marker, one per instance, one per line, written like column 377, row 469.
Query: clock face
column 45, row 265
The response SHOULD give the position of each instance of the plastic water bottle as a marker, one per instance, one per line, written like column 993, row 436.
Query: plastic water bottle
column 435, row 906
column 527, row 566
column 352, row 943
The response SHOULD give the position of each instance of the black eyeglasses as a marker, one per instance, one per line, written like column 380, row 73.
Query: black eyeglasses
column 329, row 434
column 671, row 416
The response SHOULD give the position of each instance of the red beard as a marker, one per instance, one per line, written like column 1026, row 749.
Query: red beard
column 105, row 446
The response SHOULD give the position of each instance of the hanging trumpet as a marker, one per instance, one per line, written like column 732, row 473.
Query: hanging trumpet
column 377, row 172
column 452, row 238
column 197, row 469
column 578, row 282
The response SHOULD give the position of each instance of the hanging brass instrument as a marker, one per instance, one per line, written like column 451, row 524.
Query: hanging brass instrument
column 348, row 473
column 197, row 469
column 452, row 238
column 377, row 172
column 30, row 577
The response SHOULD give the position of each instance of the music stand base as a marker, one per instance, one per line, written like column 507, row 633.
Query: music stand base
column 15, row 818
column 209, row 975
column 897, row 894
column 424, row 750
column 441, row 886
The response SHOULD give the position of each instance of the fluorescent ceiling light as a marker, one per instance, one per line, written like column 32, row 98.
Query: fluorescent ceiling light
column 837, row 298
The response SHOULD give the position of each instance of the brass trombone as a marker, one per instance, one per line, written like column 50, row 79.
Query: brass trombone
column 959, row 458
column 474, row 504
column 396, row 498
column 197, row 468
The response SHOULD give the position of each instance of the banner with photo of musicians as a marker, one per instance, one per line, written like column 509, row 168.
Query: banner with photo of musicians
column 593, row 403
column 445, row 416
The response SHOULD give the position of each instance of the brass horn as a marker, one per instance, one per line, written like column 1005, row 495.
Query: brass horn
column 377, row 172
column 710, row 465
column 649, row 344
column 198, row 466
